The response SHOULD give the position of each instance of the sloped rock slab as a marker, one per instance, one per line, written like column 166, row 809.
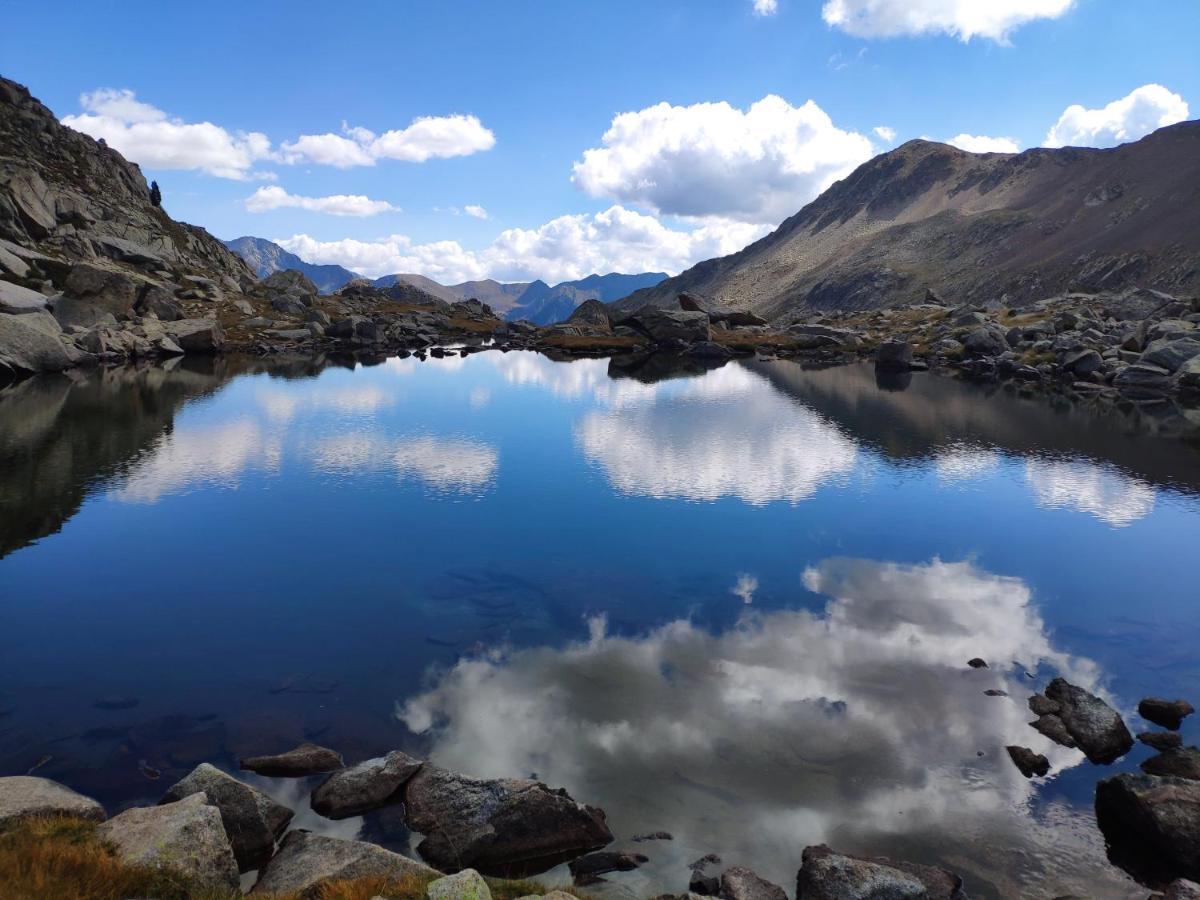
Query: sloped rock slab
column 510, row 828
column 369, row 785
column 306, row 861
column 827, row 875
column 22, row 796
column 299, row 762
column 738, row 883
column 252, row 820
column 185, row 837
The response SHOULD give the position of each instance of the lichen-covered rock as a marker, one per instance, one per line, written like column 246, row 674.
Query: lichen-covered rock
column 185, row 837
column 369, row 785
column 739, row 883
column 827, row 875
column 306, row 861
column 507, row 827
column 306, row 759
column 22, row 796
column 1152, row 825
column 465, row 885
column 252, row 820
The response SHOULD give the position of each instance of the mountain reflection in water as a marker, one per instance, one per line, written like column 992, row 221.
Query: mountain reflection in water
column 732, row 603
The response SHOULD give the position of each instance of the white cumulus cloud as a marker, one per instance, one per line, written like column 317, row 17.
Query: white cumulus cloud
column 978, row 143
column 428, row 137
column 1135, row 115
column 269, row 198
column 963, row 19
column 885, row 133
column 758, row 165
column 475, row 211
column 766, row 7
column 615, row 240
column 148, row 136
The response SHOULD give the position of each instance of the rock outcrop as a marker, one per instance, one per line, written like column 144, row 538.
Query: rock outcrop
column 1152, row 825
column 24, row 796
column 504, row 827
column 306, row 759
column 185, row 838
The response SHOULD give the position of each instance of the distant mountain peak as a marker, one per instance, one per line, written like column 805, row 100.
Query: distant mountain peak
column 266, row 258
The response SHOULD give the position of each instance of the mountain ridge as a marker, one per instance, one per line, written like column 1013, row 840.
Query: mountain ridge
column 972, row 227
column 266, row 258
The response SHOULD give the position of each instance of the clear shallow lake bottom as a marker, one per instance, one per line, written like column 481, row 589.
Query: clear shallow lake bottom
column 734, row 605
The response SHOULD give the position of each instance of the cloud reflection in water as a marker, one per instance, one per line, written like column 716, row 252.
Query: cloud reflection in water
column 860, row 726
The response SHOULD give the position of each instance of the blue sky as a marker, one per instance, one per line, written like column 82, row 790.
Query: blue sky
column 520, row 92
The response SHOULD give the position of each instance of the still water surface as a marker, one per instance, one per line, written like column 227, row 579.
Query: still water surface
column 736, row 606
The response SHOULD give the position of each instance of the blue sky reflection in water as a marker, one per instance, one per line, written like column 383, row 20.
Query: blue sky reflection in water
column 735, row 606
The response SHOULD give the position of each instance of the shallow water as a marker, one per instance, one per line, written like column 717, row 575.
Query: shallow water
column 736, row 605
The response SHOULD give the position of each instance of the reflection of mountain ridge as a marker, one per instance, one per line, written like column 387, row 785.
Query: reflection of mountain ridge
column 935, row 414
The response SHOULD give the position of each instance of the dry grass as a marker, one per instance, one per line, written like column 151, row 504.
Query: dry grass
column 64, row 859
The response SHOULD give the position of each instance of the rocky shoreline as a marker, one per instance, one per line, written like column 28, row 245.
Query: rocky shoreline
column 214, row 830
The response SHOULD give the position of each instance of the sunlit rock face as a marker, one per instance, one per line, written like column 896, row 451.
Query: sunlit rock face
column 861, row 726
column 1105, row 493
column 719, row 435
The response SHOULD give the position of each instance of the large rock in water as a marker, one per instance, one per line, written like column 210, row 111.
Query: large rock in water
column 369, row 785
column 186, row 837
column 738, row 883
column 22, row 796
column 670, row 324
column 307, row 759
column 252, row 820
column 1152, row 825
column 306, row 861
column 511, row 828
column 1182, row 762
column 1093, row 725
column 197, row 335
column 30, row 343
column 827, row 875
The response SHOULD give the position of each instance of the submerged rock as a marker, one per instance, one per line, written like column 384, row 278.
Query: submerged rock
column 307, row 759
column 506, row 827
column 186, row 837
column 827, row 875
column 1152, row 825
column 1029, row 763
column 1091, row 724
column 1166, row 713
column 369, row 785
column 586, row 868
column 738, row 883
column 306, row 861
column 1182, row 762
column 22, row 796
column 977, row 663
column 252, row 820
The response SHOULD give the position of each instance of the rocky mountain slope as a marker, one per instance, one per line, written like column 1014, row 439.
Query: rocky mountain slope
column 972, row 228
column 267, row 258
column 544, row 305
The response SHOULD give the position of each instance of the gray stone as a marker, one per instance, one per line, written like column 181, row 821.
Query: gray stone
column 185, row 837
column 1152, row 825
column 11, row 263
column 1161, row 740
column 1181, row 889
column 1083, row 362
column 586, row 869
column 1028, row 762
column 252, row 820
column 987, row 341
column 112, row 291
column 1171, row 354
column 197, row 335
column 306, row 759
column 1093, row 725
column 670, row 324
column 465, row 885
column 73, row 311
column 593, row 315
column 15, row 299
column 1140, row 379
column 738, row 883
column 30, row 343
column 369, row 785
column 306, row 861
column 827, row 875
column 508, row 828
column 1167, row 713
column 894, row 356
column 160, row 301
column 22, row 796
